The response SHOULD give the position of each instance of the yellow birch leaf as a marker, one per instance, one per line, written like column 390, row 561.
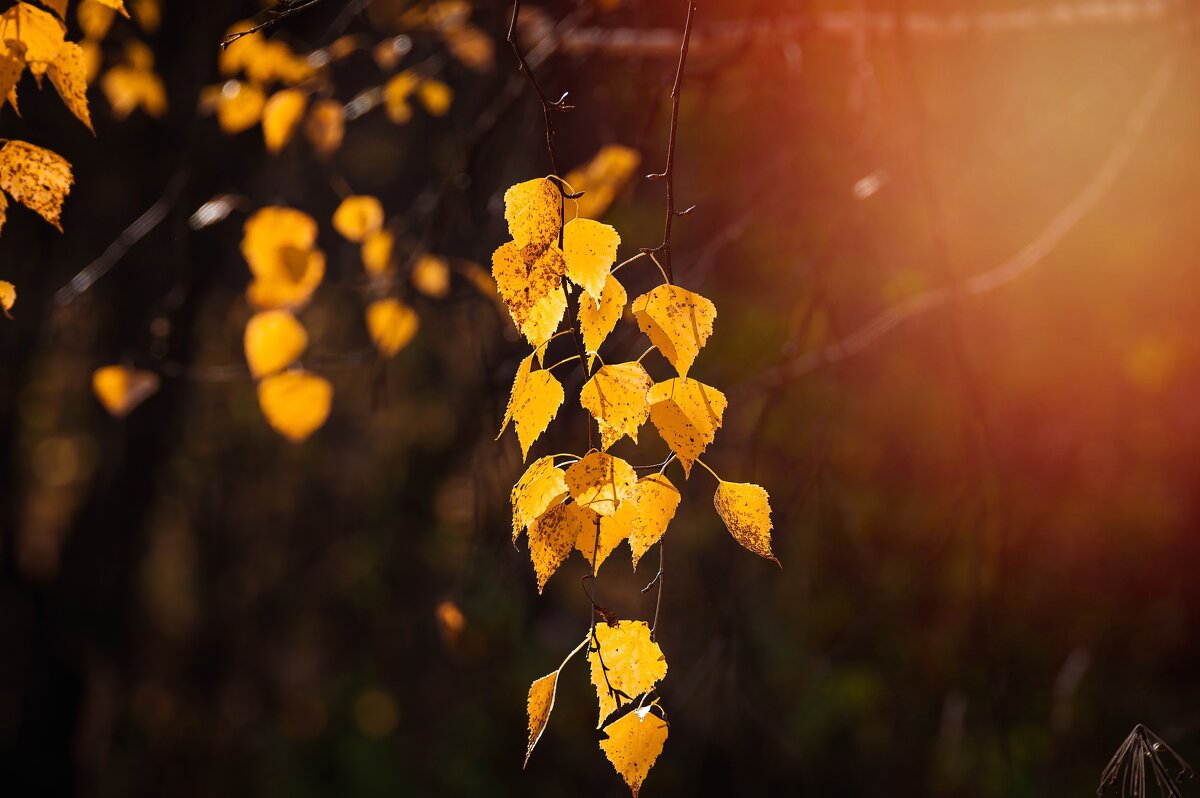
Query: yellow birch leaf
column 358, row 216
column 431, row 276
column 325, row 126
column 535, row 408
column 120, row 389
column 59, row 7
column 396, row 93
column 94, row 18
column 148, row 14
column 616, row 396
column 603, row 178
column 746, row 510
column 274, row 61
column 93, row 58
column 41, row 32
column 69, row 76
column 525, row 275
column 273, row 340
column 139, row 55
column 520, row 381
column 435, row 96
column 3, row 209
column 552, row 537
column 8, row 298
column 295, row 403
column 590, row 249
column 533, row 210
column 687, row 414
column 471, row 46
column 542, row 485
column 239, row 106
column 633, row 660
column 116, row 5
column 392, row 325
column 656, row 501
column 274, row 240
column 233, row 58
column 606, row 533
column 12, row 64
column 597, row 321
column 633, row 744
column 280, row 116
column 37, row 178
column 600, row 482
column 127, row 89
column 677, row 321
column 294, row 286
column 543, row 321
column 377, row 252
column 539, row 704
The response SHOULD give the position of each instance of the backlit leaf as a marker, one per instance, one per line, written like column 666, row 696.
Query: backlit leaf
column 677, row 321
column 239, row 106
column 542, row 485
column 117, row 5
column 687, row 414
column 280, row 116
column 292, row 287
column 325, row 126
column 600, row 538
column 396, row 93
column 633, row 744
column 656, row 500
column 544, row 320
column 120, row 389
column 746, row 510
column 8, row 298
column 377, row 252
column 617, row 397
column 392, row 325
column 41, row 32
column 590, row 249
column 533, row 210
column 273, row 340
column 12, row 64
column 128, row 89
column 603, row 178
column 536, row 397
column 525, row 275
column 431, row 276
column 552, row 537
column 69, row 76
column 600, row 482
column 435, row 96
column 274, row 240
column 94, row 18
column 539, row 705
column 597, row 321
column 358, row 216
column 633, row 663
column 295, row 403
column 35, row 177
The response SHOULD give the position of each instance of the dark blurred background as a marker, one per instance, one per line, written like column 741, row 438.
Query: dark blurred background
column 987, row 515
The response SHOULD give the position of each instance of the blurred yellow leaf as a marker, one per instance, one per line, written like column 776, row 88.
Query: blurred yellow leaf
column 616, row 396
column 295, row 403
column 746, row 511
column 234, row 57
column 325, row 126
column 552, row 537
column 470, row 45
column 377, row 252
column 274, row 61
column 633, row 660
column 273, row 340
column 533, row 210
column 656, row 501
column 590, row 249
column 451, row 621
column 687, row 414
column 603, row 178
column 431, row 276
column 128, row 89
column 677, row 321
column 396, row 93
column 435, row 96
column 539, row 705
column 358, row 216
column 94, row 18
column 239, row 106
column 541, row 485
column 93, row 58
column 139, row 55
column 597, row 321
column 633, row 743
column 280, row 116
column 68, row 73
column 148, row 14
column 392, row 324
column 117, row 5
column 273, row 238
column 35, row 177
column 600, row 482
column 8, row 297
column 120, row 389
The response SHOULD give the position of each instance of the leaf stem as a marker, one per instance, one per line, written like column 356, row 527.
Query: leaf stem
column 709, row 470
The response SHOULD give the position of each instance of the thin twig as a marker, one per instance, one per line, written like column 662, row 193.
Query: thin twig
column 280, row 12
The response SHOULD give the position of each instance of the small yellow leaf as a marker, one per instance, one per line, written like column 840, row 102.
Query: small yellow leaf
column 41, row 32
column 451, row 622
column 274, row 61
column 520, row 383
column 93, row 58
column 552, row 537
column 616, row 396
column 590, row 249
column 273, row 340
column 606, row 533
column 37, row 178
column 358, row 216
column 3, row 210
column 94, row 18
column 127, row 89
column 148, row 14
column 325, row 126
column 138, row 55
column 69, row 76
column 234, row 57
column 633, row 660
column 470, row 45
column 677, row 321
column 8, row 298
column 600, row 482
column 656, row 501
column 239, row 106
column 377, row 252
column 295, row 403
column 597, row 321
column 292, row 287
column 544, row 319
column 542, row 485
column 431, row 276
column 281, row 114
column 392, row 325
column 533, row 210
column 275, row 239
column 536, row 408
column 633, row 744
column 746, row 510
column 435, row 96
column 525, row 275
column 120, row 389
column 603, row 178
column 539, row 705
column 687, row 414
column 12, row 64
column 396, row 93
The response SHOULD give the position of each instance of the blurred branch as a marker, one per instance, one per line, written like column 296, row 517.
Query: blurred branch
column 276, row 14
column 1031, row 255
column 852, row 24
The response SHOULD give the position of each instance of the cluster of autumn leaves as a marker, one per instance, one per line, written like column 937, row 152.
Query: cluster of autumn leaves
column 595, row 501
